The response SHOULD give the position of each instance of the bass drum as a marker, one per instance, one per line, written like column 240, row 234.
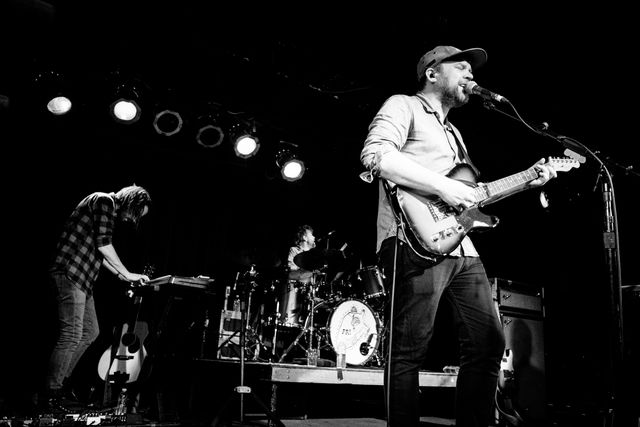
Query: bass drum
column 350, row 324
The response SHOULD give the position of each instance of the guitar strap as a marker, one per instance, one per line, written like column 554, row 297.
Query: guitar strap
column 464, row 156
column 389, row 193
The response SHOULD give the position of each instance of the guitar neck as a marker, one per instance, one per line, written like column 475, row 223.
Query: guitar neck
column 505, row 185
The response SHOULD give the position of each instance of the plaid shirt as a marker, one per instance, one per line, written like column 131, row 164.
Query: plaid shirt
column 89, row 227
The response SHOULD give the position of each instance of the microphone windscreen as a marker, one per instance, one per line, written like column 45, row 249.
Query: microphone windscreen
column 468, row 88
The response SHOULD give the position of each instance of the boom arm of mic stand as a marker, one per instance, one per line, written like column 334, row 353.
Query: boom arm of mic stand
column 566, row 141
column 610, row 234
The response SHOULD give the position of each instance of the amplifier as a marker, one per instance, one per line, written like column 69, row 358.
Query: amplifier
column 518, row 297
column 521, row 310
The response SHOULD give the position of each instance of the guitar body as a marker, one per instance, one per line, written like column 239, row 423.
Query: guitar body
column 129, row 357
column 433, row 228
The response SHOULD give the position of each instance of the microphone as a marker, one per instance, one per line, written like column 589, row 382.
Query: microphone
column 472, row 88
column 365, row 346
column 326, row 236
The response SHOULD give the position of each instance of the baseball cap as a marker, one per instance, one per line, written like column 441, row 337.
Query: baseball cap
column 475, row 56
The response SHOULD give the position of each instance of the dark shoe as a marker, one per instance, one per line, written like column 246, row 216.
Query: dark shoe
column 52, row 406
column 56, row 402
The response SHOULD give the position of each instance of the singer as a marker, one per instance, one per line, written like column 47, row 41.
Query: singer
column 411, row 143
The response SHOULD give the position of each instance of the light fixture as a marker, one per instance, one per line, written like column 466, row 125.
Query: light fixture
column 210, row 133
column 168, row 122
column 291, row 167
column 54, row 92
column 126, row 110
column 245, row 141
column 246, row 146
column 59, row 105
column 127, row 105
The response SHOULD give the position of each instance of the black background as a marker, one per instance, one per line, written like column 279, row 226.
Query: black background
column 314, row 78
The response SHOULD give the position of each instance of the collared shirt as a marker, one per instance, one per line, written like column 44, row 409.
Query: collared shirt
column 293, row 251
column 408, row 124
column 89, row 227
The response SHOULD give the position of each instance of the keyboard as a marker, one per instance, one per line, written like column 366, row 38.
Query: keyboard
column 170, row 282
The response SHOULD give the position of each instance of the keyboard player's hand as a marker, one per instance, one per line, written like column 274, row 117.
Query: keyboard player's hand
column 137, row 278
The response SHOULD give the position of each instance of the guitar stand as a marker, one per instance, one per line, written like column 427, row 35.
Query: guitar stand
column 241, row 390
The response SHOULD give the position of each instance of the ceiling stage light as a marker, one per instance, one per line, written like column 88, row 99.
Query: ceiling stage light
column 168, row 122
column 59, row 105
column 210, row 136
column 245, row 142
column 291, row 167
column 210, row 132
column 246, row 146
column 125, row 110
column 127, row 107
column 54, row 91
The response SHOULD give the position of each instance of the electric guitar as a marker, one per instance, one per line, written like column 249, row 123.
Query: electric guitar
column 434, row 229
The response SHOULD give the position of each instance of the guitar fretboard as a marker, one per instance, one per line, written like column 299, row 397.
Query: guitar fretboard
column 501, row 186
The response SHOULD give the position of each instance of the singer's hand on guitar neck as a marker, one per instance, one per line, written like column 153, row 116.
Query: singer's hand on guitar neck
column 545, row 172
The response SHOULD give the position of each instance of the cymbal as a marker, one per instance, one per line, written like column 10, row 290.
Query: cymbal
column 318, row 258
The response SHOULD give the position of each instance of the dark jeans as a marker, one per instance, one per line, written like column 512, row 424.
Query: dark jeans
column 77, row 329
column 463, row 283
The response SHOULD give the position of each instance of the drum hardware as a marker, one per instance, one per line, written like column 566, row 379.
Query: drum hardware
column 231, row 320
column 308, row 329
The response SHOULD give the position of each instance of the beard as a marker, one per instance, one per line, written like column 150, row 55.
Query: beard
column 453, row 98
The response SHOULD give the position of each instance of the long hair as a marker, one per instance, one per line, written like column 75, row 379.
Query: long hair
column 132, row 200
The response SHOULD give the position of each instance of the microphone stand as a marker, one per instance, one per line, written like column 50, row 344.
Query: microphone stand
column 242, row 389
column 579, row 151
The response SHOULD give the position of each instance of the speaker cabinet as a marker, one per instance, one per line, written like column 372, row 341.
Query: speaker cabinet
column 524, row 338
column 521, row 310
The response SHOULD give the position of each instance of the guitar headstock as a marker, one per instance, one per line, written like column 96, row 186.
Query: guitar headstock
column 563, row 164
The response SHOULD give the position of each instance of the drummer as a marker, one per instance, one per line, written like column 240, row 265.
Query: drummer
column 305, row 240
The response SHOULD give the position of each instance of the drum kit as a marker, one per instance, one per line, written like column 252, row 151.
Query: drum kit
column 293, row 321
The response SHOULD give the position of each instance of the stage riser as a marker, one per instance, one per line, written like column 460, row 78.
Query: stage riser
column 198, row 390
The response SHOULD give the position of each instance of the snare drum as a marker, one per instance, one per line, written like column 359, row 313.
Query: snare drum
column 353, row 325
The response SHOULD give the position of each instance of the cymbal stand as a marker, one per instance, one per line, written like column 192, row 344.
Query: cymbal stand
column 242, row 389
column 308, row 328
column 254, row 328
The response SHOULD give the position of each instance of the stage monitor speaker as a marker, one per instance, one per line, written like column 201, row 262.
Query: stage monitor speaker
column 521, row 310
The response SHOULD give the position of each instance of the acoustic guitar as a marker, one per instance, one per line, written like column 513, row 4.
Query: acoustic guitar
column 122, row 362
